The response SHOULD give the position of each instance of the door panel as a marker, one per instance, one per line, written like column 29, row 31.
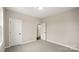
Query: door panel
column 43, row 31
column 15, row 31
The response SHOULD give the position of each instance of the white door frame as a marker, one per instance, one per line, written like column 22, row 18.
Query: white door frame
column 11, row 35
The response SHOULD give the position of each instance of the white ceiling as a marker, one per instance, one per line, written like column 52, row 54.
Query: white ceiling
column 33, row 11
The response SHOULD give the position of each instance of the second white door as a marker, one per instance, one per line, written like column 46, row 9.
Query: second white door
column 43, row 31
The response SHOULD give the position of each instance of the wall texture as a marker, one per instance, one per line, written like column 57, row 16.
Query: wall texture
column 64, row 28
column 29, row 26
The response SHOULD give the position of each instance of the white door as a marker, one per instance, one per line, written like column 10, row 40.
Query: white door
column 43, row 31
column 15, row 31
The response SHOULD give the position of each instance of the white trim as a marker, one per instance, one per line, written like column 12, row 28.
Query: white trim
column 64, row 45
column 21, row 43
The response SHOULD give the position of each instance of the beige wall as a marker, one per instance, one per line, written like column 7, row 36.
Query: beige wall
column 64, row 28
column 29, row 26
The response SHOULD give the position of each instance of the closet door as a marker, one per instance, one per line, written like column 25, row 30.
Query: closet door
column 15, row 31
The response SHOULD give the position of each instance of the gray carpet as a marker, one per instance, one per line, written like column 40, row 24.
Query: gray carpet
column 39, row 46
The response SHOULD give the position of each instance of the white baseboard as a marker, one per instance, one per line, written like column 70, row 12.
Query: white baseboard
column 64, row 45
column 24, row 42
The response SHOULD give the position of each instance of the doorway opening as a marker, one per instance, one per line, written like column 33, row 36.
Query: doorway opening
column 41, row 31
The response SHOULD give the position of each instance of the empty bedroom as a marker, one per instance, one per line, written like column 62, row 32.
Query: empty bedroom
column 39, row 29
